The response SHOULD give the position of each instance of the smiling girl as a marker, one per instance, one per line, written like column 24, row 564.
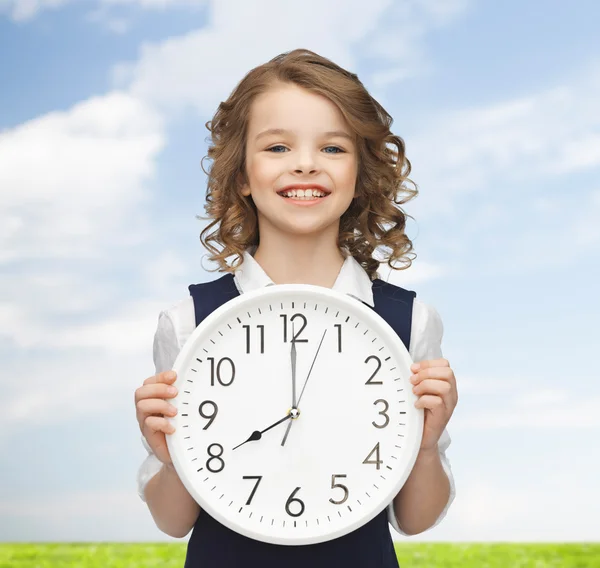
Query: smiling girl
column 306, row 184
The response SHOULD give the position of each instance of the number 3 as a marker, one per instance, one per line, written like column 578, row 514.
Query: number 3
column 382, row 413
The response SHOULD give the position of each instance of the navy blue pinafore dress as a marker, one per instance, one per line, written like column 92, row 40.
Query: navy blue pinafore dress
column 212, row 545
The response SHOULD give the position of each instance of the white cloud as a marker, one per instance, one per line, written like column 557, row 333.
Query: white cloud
column 87, row 515
column 574, row 413
column 169, row 73
column 533, row 137
column 585, row 227
column 76, row 504
column 494, row 510
column 398, row 42
column 103, row 16
column 21, row 10
column 513, row 403
column 72, row 185
column 418, row 272
column 566, row 226
column 72, row 385
column 80, row 516
column 70, row 179
column 155, row 4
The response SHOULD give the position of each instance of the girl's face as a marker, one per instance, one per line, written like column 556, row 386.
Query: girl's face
column 314, row 148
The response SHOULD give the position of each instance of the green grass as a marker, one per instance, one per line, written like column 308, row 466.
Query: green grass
column 435, row 555
column 499, row 555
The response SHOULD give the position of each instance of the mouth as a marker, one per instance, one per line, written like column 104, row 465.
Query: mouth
column 309, row 194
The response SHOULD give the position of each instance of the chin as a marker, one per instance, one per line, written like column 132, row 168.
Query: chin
column 302, row 225
column 305, row 229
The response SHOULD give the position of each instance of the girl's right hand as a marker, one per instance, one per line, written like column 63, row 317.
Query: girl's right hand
column 152, row 406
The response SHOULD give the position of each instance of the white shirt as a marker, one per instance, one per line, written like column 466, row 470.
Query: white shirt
column 176, row 324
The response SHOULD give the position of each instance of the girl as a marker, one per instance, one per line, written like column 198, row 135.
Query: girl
column 305, row 185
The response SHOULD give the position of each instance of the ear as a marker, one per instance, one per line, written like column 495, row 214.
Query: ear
column 244, row 187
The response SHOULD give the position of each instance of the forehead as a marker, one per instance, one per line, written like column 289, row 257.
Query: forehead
column 293, row 108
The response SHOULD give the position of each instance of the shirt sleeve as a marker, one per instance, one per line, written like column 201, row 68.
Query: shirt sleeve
column 165, row 351
column 426, row 343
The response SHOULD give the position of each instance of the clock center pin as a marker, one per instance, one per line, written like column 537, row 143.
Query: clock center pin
column 294, row 412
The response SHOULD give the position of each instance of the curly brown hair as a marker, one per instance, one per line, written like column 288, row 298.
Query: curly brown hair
column 373, row 221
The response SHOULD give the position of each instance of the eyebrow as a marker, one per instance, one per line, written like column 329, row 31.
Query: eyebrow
column 331, row 133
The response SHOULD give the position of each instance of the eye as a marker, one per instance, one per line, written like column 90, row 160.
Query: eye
column 338, row 150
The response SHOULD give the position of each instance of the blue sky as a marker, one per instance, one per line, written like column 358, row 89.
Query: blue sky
column 102, row 113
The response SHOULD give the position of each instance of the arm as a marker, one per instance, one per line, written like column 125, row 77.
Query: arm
column 429, row 490
column 172, row 507
column 424, row 495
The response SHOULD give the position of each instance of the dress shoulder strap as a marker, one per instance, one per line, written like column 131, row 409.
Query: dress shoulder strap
column 393, row 303
column 208, row 296
column 395, row 306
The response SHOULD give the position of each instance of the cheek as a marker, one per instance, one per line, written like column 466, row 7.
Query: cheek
column 347, row 179
column 264, row 171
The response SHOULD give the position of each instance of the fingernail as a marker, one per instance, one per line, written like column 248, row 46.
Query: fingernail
column 413, row 378
column 415, row 367
column 170, row 375
column 171, row 390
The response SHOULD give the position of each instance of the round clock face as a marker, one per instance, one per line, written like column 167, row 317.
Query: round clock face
column 285, row 467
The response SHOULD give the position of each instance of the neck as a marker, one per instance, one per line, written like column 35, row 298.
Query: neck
column 297, row 260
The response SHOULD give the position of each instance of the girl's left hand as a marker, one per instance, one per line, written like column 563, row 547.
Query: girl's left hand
column 435, row 385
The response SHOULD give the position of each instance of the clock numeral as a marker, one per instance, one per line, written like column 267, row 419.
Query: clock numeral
column 377, row 461
column 215, row 456
column 339, row 326
column 292, row 499
column 210, row 417
column 371, row 381
column 382, row 413
column 258, row 480
column 222, row 381
column 295, row 336
column 262, row 337
column 341, row 486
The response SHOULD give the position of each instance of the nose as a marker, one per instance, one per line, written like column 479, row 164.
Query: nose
column 305, row 162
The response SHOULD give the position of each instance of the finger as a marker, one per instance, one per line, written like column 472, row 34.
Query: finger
column 156, row 406
column 433, row 386
column 157, row 424
column 430, row 402
column 155, row 390
column 429, row 363
column 164, row 377
column 440, row 373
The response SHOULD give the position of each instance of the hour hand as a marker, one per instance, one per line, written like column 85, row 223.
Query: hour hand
column 257, row 435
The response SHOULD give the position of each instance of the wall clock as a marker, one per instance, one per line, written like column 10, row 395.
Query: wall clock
column 296, row 421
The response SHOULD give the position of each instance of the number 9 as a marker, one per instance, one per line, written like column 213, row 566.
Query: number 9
column 210, row 417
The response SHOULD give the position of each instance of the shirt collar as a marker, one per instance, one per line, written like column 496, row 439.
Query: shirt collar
column 352, row 278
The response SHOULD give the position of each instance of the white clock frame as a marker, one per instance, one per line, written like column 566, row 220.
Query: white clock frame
column 216, row 331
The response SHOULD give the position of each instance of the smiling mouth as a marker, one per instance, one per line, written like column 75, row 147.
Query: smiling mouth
column 303, row 194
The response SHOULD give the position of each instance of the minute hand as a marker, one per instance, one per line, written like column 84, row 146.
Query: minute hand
column 293, row 360
column 311, row 367
column 287, row 431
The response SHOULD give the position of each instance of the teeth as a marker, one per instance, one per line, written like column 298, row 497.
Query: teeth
column 304, row 193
